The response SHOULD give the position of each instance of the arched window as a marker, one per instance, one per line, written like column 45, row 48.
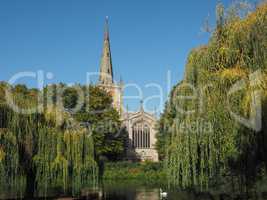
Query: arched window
column 140, row 136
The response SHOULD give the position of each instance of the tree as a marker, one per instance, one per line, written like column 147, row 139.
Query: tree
column 164, row 126
column 228, row 152
column 104, row 120
column 96, row 111
column 37, row 150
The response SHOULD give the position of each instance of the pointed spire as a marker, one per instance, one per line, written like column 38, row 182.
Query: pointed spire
column 141, row 106
column 106, row 34
column 106, row 71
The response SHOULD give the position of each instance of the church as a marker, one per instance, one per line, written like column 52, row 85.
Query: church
column 140, row 125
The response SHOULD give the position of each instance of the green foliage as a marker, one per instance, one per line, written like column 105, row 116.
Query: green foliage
column 147, row 172
column 164, row 128
column 105, row 123
column 37, row 152
column 97, row 110
column 218, row 149
column 51, row 148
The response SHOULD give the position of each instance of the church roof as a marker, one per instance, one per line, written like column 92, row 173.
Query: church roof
column 141, row 113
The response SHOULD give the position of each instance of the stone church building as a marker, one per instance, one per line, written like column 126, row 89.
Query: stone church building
column 140, row 125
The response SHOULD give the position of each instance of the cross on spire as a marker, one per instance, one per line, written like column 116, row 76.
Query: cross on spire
column 142, row 105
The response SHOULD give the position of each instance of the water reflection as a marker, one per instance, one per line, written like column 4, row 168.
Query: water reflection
column 138, row 194
column 135, row 191
column 125, row 191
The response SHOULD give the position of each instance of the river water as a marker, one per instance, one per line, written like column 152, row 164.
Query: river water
column 120, row 190
column 127, row 190
column 136, row 191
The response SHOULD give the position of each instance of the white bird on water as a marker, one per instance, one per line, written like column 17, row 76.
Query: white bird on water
column 162, row 194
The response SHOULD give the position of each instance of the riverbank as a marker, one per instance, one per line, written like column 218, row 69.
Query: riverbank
column 152, row 175
column 145, row 172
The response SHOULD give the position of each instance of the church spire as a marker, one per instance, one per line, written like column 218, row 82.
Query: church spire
column 106, row 71
column 142, row 106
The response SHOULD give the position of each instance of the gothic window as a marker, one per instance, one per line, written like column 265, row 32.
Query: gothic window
column 140, row 136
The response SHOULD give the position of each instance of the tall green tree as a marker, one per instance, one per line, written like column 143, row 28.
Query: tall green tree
column 43, row 149
column 98, row 113
column 219, row 150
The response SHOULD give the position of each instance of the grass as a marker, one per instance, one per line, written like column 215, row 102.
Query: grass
column 145, row 172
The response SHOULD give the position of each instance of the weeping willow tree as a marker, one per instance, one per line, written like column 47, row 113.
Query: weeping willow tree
column 43, row 150
column 208, row 144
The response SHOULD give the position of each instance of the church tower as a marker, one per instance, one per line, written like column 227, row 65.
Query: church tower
column 106, row 79
column 140, row 125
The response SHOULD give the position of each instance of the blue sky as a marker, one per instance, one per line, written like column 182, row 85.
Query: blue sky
column 65, row 37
